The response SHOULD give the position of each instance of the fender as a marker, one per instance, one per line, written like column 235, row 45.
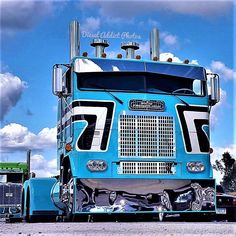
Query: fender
column 37, row 191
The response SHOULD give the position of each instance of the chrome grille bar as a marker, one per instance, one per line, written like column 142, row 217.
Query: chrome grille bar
column 146, row 136
column 146, row 168
column 10, row 194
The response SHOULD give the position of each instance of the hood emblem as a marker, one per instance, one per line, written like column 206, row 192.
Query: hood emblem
column 146, row 105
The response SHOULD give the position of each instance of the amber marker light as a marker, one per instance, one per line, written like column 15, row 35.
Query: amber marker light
column 85, row 54
column 119, row 56
column 155, row 58
column 68, row 147
column 186, row 61
column 104, row 55
column 169, row 59
column 138, row 57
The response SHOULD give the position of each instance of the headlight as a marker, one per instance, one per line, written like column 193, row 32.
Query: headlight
column 195, row 166
column 97, row 165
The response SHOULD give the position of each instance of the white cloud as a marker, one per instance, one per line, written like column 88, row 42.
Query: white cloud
column 153, row 23
column 91, row 24
column 164, row 56
column 23, row 15
column 15, row 137
column 124, row 9
column 225, row 72
column 169, row 39
column 42, row 167
column 217, row 155
column 216, row 109
column 144, row 49
column 3, row 67
column 11, row 88
column 198, row 8
column 113, row 53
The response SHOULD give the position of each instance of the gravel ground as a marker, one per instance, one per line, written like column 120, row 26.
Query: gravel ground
column 131, row 228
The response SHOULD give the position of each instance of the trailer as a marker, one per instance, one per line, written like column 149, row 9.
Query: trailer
column 12, row 177
column 132, row 136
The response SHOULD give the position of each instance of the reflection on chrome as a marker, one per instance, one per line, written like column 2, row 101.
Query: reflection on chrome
column 189, row 197
column 203, row 196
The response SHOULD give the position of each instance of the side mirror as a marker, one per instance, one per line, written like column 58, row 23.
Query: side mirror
column 215, row 88
column 57, row 84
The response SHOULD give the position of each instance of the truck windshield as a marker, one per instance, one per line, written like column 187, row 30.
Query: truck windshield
column 142, row 82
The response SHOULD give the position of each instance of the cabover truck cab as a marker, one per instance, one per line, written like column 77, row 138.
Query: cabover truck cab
column 12, row 177
column 133, row 135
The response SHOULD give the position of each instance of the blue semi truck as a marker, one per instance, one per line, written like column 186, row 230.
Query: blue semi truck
column 132, row 136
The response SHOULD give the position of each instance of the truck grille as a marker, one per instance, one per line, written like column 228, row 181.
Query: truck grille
column 146, row 136
column 10, row 194
column 146, row 168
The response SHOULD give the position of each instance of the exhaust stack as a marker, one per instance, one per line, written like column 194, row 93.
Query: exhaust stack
column 74, row 39
column 154, row 44
column 100, row 45
column 130, row 48
column 28, row 161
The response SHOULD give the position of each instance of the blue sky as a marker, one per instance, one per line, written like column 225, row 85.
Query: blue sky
column 34, row 36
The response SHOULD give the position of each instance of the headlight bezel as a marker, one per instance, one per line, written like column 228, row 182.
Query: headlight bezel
column 195, row 166
column 97, row 165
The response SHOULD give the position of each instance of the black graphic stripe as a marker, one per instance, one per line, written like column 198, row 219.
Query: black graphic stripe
column 89, row 132
column 202, row 137
column 86, row 138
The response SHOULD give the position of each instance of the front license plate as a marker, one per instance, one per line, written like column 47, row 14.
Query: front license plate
column 221, row 211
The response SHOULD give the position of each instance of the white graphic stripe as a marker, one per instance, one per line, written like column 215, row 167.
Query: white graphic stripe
column 101, row 113
column 190, row 116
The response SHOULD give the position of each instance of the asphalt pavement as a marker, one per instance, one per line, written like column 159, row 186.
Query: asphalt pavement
column 120, row 228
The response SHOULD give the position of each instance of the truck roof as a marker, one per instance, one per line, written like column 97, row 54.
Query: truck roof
column 13, row 167
column 190, row 71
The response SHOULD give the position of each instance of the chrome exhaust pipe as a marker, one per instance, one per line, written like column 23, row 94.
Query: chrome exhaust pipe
column 130, row 48
column 100, row 45
column 154, row 45
column 74, row 39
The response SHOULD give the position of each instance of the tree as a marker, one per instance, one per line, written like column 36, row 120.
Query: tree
column 227, row 167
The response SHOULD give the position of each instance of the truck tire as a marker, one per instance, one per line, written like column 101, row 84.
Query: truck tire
column 231, row 214
column 28, row 218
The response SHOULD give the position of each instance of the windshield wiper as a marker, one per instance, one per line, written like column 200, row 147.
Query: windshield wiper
column 163, row 92
column 105, row 90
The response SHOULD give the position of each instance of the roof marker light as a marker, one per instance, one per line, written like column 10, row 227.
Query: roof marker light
column 85, row 54
column 155, row 59
column 104, row 55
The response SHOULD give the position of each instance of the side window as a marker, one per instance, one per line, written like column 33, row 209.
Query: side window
column 68, row 81
column 198, row 87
